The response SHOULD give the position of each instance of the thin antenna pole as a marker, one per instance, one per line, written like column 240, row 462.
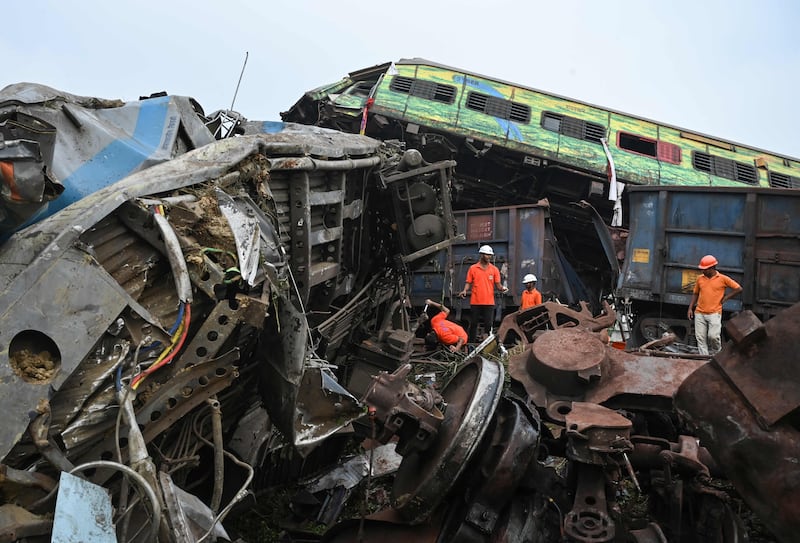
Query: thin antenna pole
column 246, row 54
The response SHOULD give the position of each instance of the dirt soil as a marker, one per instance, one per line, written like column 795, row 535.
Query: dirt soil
column 35, row 367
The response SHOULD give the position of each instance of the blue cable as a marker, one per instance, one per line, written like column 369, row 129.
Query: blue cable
column 178, row 320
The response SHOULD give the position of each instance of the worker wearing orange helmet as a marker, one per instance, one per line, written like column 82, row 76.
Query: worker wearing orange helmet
column 530, row 296
column 709, row 295
column 483, row 278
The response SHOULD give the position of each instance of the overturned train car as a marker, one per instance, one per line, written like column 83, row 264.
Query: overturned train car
column 173, row 336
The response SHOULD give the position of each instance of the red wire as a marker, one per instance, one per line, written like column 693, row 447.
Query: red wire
column 188, row 316
column 151, row 369
column 183, row 338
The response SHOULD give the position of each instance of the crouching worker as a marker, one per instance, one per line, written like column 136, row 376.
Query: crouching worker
column 447, row 332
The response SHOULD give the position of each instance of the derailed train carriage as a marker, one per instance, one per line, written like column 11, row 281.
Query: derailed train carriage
column 516, row 145
column 196, row 330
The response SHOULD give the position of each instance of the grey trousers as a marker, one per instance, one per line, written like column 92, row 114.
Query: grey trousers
column 708, row 331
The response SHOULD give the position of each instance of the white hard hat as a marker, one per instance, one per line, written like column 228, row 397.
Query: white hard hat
column 486, row 250
column 530, row 278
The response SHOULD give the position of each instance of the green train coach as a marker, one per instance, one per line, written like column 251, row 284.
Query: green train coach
column 515, row 144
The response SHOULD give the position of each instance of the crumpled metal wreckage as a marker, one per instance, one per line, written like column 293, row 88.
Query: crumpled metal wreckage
column 58, row 148
column 190, row 317
column 201, row 304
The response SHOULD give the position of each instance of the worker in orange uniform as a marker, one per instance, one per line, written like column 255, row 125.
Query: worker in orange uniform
column 530, row 296
column 483, row 278
column 709, row 295
column 447, row 332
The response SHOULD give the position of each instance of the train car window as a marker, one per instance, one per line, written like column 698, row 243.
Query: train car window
column 725, row 167
column 401, row 84
column 498, row 107
column 361, row 88
column 669, row 152
column 423, row 89
column 573, row 127
column 661, row 150
column 637, row 144
column 782, row 181
column 551, row 122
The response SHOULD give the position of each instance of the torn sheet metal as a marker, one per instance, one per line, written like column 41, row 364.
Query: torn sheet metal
column 97, row 142
column 83, row 512
column 189, row 517
column 122, row 297
column 251, row 436
column 26, row 152
column 322, row 407
column 38, row 353
column 383, row 460
column 246, row 233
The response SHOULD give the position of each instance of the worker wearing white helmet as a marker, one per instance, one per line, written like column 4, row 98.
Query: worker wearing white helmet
column 483, row 278
column 530, row 296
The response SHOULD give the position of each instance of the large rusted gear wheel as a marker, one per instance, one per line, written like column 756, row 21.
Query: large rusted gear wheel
column 424, row 478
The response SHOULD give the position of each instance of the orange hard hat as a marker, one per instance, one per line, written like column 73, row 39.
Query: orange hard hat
column 707, row 262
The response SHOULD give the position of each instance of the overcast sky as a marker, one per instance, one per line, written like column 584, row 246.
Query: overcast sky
column 729, row 69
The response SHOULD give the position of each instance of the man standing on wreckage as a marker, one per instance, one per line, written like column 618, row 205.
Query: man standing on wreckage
column 709, row 296
column 483, row 278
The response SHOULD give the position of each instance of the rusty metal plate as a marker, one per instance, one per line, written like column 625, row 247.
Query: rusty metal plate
column 553, row 379
column 641, row 376
column 766, row 372
column 586, row 416
column 763, row 465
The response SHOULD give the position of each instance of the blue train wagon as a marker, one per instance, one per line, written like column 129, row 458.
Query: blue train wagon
column 753, row 232
column 523, row 240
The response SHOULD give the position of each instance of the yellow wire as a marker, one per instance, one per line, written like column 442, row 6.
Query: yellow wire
column 172, row 344
column 164, row 353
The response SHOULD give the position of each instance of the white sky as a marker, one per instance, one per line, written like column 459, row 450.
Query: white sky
column 729, row 69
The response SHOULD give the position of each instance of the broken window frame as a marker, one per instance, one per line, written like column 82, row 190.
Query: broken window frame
column 360, row 88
